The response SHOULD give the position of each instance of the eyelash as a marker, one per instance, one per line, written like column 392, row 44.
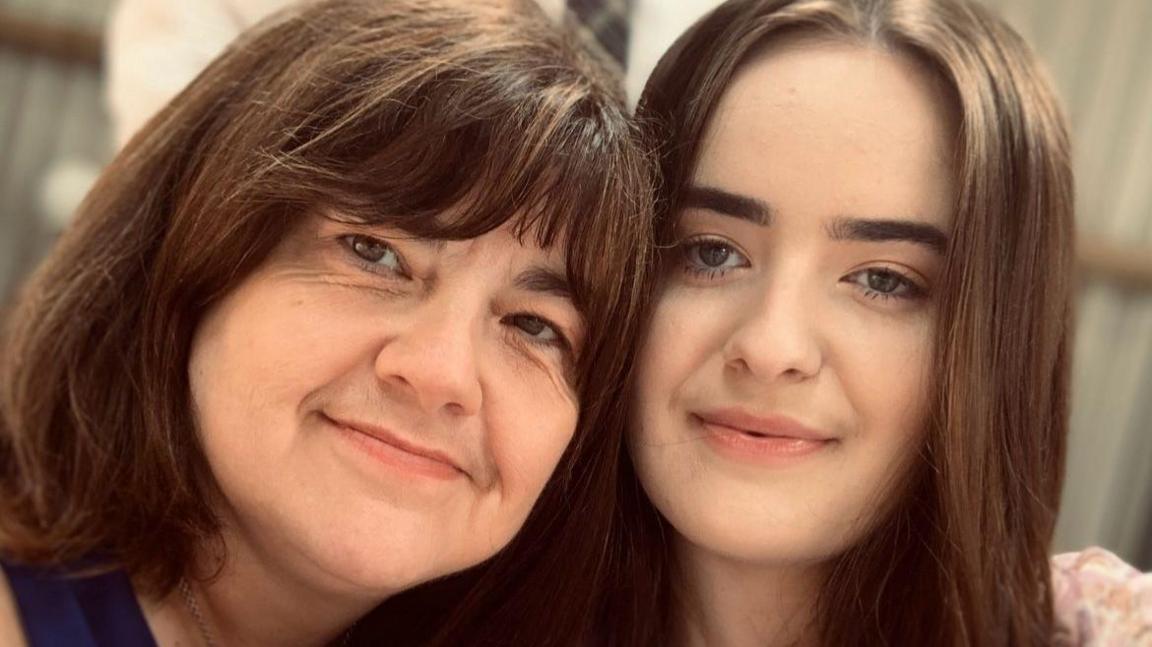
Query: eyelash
column 687, row 247
column 560, row 342
column 351, row 241
column 912, row 290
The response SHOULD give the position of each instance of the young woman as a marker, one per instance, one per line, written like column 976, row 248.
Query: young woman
column 851, row 402
column 321, row 333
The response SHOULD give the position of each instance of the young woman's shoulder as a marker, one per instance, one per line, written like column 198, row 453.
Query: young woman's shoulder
column 11, row 632
column 1100, row 601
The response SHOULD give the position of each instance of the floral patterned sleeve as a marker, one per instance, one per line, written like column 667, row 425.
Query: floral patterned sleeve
column 1100, row 601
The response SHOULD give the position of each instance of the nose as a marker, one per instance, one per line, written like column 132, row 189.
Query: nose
column 431, row 359
column 777, row 338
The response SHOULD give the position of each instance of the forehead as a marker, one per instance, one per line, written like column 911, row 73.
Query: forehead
column 864, row 127
column 511, row 243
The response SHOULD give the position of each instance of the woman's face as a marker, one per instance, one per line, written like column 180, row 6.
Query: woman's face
column 783, row 385
column 380, row 410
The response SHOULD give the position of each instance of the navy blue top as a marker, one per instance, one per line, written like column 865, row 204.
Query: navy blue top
column 61, row 610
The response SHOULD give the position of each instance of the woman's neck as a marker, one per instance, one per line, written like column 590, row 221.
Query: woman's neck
column 726, row 602
column 255, row 599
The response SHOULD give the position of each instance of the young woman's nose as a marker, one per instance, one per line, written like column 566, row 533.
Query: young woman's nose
column 776, row 337
column 432, row 360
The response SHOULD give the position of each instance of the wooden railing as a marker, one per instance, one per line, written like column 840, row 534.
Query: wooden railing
column 1128, row 265
column 31, row 35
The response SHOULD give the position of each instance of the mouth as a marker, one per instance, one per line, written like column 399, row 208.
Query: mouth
column 390, row 449
column 772, row 438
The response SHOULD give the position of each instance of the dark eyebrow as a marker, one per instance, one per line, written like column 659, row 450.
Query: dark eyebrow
column 544, row 280
column 868, row 230
column 729, row 204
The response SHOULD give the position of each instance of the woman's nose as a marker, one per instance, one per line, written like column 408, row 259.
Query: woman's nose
column 776, row 337
column 432, row 360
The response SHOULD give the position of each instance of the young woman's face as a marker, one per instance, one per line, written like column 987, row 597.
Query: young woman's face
column 379, row 410
column 783, row 385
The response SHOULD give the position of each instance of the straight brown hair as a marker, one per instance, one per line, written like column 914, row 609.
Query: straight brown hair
column 392, row 112
column 961, row 558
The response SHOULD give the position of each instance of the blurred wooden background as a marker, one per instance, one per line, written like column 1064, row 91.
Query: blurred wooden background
column 1100, row 55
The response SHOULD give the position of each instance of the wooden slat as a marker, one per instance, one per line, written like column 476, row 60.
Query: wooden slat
column 1129, row 265
column 37, row 36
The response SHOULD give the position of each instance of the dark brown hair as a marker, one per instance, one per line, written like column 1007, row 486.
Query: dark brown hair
column 383, row 112
column 962, row 557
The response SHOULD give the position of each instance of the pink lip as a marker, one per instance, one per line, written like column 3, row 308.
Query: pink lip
column 383, row 445
column 759, row 438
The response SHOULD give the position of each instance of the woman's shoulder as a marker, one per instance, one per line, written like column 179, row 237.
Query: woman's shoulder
column 85, row 602
column 1100, row 601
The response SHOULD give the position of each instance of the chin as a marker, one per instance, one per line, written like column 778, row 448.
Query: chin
column 768, row 544
column 757, row 530
column 366, row 550
column 384, row 567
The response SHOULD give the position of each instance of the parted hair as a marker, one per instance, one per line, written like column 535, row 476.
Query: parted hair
column 961, row 556
column 382, row 111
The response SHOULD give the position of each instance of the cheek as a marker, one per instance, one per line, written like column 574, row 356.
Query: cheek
column 889, row 387
column 679, row 341
column 885, row 366
column 678, row 352
column 891, row 381
column 531, row 428
column 256, row 357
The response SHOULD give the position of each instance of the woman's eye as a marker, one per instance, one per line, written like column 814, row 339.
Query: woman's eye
column 885, row 283
column 539, row 330
column 711, row 257
column 375, row 252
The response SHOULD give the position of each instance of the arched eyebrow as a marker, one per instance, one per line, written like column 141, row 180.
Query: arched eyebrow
column 880, row 230
column 727, row 203
column 873, row 230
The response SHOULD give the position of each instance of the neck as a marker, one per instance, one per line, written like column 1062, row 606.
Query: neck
column 254, row 598
column 727, row 602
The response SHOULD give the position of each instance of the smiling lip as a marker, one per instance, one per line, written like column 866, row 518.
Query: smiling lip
column 746, row 436
column 386, row 447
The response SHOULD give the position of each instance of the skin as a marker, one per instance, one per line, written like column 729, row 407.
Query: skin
column 345, row 331
column 786, row 302
column 11, row 632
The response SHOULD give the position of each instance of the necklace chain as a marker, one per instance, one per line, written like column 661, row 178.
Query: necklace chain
column 194, row 608
column 202, row 624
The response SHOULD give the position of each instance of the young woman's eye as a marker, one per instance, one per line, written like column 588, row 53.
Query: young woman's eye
column 537, row 329
column 882, row 283
column 711, row 257
column 375, row 253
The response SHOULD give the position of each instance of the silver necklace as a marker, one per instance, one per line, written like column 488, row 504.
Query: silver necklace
column 194, row 609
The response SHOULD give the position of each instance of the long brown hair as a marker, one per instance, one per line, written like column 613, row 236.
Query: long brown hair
column 383, row 112
column 962, row 558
